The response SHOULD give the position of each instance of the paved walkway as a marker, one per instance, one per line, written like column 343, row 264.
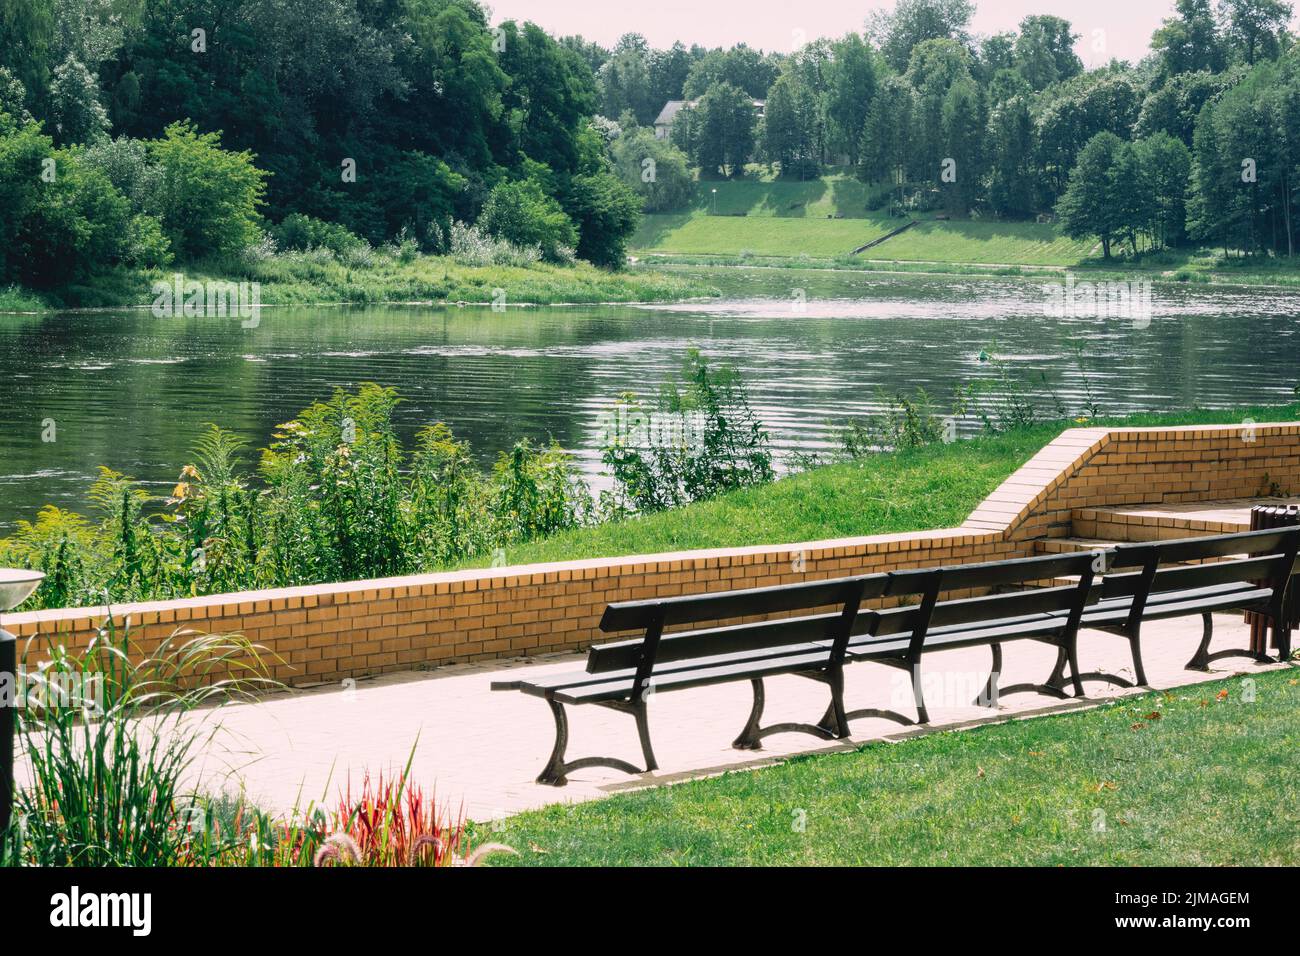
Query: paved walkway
column 484, row 749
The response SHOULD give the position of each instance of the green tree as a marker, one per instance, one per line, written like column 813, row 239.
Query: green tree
column 654, row 168
column 720, row 130
column 1010, row 145
column 963, row 139
column 75, row 110
column 899, row 31
column 606, row 211
column 790, row 127
column 210, row 198
column 1044, row 51
column 1087, row 207
column 851, row 84
column 1168, row 163
column 1255, row 28
column 1190, row 41
column 889, row 136
column 521, row 213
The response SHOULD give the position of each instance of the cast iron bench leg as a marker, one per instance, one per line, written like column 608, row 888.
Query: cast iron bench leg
column 556, row 771
column 1204, row 656
column 751, row 737
column 1054, row 686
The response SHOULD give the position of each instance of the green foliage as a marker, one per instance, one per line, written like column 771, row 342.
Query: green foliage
column 657, row 170
column 111, row 735
column 718, row 133
column 210, row 197
column 335, row 497
column 303, row 233
column 606, row 211
column 521, row 213
column 699, row 439
column 62, row 219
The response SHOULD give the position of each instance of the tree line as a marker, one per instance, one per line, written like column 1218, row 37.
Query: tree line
column 141, row 132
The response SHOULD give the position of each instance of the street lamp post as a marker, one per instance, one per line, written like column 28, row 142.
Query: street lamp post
column 15, row 586
column 715, row 201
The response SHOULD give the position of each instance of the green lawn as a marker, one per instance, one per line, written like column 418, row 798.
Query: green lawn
column 1009, row 243
column 1017, row 243
column 915, row 489
column 701, row 234
column 1198, row 776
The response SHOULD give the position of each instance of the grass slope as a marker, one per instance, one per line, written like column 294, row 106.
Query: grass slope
column 935, row 486
column 1186, row 778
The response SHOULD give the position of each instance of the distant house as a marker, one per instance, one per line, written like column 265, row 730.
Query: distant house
column 668, row 115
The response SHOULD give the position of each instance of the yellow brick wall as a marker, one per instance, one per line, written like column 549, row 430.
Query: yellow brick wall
column 328, row 632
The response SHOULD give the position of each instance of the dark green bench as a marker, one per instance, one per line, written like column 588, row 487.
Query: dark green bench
column 814, row 644
column 1249, row 571
column 622, row 675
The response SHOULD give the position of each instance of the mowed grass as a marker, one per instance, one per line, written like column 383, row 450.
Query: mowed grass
column 1011, row 243
column 1197, row 776
column 701, row 234
column 935, row 486
column 996, row 243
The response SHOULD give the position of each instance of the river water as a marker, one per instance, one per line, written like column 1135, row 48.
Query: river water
column 133, row 392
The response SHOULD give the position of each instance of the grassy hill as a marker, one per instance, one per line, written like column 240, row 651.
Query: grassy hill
column 831, row 216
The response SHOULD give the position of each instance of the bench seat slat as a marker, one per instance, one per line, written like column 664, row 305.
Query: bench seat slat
column 710, row 642
column 695, row 677
column 1178, row 604
column 574, row 679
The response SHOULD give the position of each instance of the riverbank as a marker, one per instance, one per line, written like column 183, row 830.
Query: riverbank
column 312, row 279
column 913, row 489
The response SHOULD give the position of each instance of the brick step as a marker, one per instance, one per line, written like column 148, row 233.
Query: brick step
column 1156, row 522
column 1070, row 545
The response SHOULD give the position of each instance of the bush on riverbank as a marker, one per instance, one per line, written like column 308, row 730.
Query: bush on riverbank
column 336, row 497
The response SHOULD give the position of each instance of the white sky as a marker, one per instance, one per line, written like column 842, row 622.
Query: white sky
column 1108, row 28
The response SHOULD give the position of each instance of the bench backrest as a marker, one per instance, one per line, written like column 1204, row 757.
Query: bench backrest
column 1031, row 600
column 642, row 653
column 1266, row 556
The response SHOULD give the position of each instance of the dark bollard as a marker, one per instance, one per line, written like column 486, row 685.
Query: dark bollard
column 8, row 712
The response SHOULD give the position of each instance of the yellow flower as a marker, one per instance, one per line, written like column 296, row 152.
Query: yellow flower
column 181, row 491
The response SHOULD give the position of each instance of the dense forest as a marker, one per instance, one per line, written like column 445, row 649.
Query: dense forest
column 139, row 133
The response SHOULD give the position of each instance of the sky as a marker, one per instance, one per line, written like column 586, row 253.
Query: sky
column 1108, row 28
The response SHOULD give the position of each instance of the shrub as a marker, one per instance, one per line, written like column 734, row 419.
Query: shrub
column 700, row 439
column 111, row 745
column 606, row 211
column 473, row 246
column 210, row 197
column 655, row 169
column 300, row 232
column 524, row 216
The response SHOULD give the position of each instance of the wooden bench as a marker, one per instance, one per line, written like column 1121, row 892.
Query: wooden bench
column 813, row 643
column 1039, row 599
column 1249, row 571
column 624, row 674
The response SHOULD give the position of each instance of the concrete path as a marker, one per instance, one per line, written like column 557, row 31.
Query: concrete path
column 483, row 749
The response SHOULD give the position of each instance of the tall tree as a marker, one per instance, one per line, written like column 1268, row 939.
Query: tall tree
column 1255, row 27
column 897, row 32
column 1044, row 51
column 851, row 84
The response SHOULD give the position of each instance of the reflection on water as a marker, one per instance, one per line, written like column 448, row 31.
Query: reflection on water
column 131, row 391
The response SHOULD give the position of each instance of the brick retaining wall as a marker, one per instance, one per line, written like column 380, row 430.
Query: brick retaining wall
column 327, row 632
